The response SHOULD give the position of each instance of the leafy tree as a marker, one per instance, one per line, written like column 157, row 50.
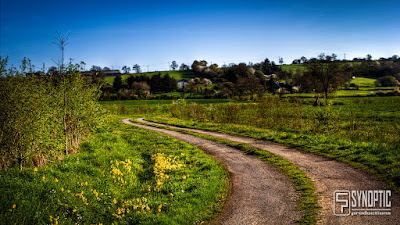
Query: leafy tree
column 369, row 57
column 296, row 61
column 303, row 59
column 136, row 68
column 170, row 83
column 386, row 81
column 280, row 60
column 126, row 69
column 323, row 76
column 184, row 67
column 117, row 84
column 156, row 83
column 106, row 68
column 96, row 68
column 174, row 65
column 141, row 89
column 249, row 85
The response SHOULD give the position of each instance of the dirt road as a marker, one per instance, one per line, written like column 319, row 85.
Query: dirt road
column 260, row 193
column 328, row 175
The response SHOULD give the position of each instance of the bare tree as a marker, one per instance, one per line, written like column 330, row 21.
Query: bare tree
column 61, row 41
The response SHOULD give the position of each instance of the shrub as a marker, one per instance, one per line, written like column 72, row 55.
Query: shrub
column 43, row 117
column 387, row 81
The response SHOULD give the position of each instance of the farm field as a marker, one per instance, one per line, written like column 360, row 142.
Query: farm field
column 122, row 175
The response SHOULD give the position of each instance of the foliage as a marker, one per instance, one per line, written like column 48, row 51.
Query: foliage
column 387, row 81
column 323, row 76
column 44, row 117
column 117, row 84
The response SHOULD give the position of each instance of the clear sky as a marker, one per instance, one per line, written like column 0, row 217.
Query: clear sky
column 153, row 33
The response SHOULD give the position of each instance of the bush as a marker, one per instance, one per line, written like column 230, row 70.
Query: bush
column 44, row 117
column 387, row 81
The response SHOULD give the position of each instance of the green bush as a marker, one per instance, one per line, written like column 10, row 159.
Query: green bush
column 44, row 117
column 387, row 81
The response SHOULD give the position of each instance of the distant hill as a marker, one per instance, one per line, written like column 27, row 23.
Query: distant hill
column 177, row 74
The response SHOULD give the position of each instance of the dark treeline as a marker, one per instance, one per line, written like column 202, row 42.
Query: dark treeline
column 44, row 116
column 139, row 87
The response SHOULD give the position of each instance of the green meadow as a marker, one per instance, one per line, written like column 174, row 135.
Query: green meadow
column 121, row 175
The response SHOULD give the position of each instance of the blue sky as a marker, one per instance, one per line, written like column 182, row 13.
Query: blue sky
column 154, row 33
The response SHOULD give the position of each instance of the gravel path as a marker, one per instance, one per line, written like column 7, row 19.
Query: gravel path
column 260, row 193
column 329, row 175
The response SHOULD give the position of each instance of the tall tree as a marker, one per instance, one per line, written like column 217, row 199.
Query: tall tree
column 117, row 84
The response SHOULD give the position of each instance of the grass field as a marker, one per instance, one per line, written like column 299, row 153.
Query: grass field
column 363, row 132
column 177, row 74
column 363, row 82
column 122, row 175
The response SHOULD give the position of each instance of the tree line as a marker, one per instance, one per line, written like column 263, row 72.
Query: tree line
column 138, row 87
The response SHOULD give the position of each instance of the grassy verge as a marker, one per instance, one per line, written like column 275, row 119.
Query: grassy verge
column 376, row 158
column 308, row 202
column 123, row 175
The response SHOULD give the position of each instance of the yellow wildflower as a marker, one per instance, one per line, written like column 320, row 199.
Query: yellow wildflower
column 62, row 189
column 14, row 206
column 115, row 201
column 44, row 178
column 56, row 180
column 35, row 169
column 159, row 208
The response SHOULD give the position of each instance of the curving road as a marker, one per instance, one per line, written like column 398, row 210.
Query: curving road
column 329, row 175
column 260, row 193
